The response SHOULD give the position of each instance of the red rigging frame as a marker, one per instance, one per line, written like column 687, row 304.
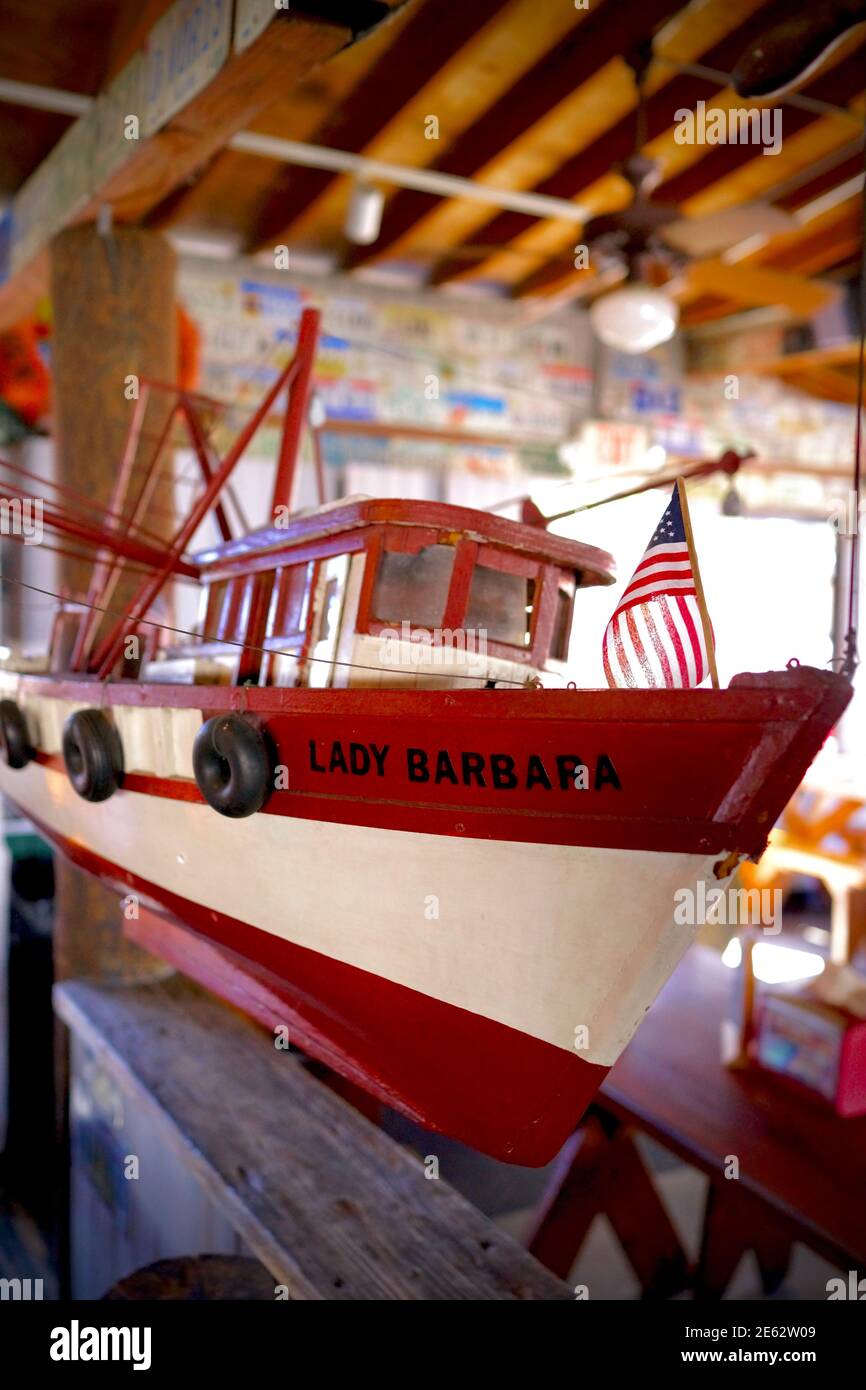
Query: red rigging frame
column 295, row 378
column 115, row 538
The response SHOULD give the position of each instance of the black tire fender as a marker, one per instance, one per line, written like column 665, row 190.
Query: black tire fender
column 93, row 754
column 233, row 766
column 14, row 738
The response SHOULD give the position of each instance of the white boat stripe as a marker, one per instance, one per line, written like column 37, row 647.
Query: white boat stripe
column 543, row 938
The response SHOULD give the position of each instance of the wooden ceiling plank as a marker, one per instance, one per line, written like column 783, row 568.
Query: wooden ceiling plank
column 574, row 123
column 477, row 76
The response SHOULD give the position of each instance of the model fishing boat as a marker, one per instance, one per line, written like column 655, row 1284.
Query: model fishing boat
column 454, row 886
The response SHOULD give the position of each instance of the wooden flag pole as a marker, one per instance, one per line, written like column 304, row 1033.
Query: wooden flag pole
column 699, row 588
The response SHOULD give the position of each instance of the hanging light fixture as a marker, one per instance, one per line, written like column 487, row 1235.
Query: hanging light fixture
column 364, row 214
column 634, row 318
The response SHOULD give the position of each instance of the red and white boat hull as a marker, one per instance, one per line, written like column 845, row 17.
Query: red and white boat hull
column 474, row 941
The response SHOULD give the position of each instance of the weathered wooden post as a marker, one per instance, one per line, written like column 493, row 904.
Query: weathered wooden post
column 114, row 322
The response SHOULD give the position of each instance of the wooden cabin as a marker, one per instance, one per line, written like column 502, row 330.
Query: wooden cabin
column 370, row 592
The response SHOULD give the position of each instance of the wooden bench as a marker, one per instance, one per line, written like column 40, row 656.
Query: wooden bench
column 333, row 1207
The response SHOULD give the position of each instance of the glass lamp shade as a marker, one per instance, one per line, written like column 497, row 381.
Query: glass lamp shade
column 634, row 318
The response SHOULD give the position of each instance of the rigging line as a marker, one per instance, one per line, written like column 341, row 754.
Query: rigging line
column 87, row 558
column 655, row 480
column 851, row 661
column 84, row 503
column 245, row 646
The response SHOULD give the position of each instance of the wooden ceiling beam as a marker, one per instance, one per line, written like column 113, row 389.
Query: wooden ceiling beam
column 229, row 194
column 244, row 85
column 605, row 32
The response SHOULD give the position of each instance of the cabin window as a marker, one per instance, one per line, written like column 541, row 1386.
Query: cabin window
column 413, row 587
column 330, row 609
column 561, row 624
column 501, row 604
column 289, row 601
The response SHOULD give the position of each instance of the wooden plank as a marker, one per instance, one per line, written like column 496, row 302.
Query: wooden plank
column 332, row 1206
column 157, row 164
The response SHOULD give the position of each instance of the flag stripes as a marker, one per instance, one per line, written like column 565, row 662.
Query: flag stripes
column 656, row 636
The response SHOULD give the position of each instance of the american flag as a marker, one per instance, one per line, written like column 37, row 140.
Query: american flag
column 656, row 637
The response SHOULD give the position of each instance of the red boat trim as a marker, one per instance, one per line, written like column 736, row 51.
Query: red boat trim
column 747, row 774
column 764, row 698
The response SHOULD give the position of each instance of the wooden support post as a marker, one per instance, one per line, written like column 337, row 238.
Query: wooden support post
column 114, row 319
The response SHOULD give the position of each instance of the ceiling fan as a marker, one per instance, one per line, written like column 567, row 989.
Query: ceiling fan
column 658, row 253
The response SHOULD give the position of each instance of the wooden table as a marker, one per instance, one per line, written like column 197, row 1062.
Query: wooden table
column 801, row 1167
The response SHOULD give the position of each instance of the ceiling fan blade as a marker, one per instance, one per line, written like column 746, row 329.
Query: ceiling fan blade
column 760, row 286
column 707, row 236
